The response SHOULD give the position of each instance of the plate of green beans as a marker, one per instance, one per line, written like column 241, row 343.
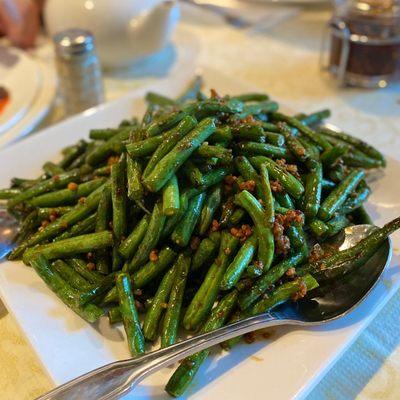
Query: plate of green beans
column 207, row 208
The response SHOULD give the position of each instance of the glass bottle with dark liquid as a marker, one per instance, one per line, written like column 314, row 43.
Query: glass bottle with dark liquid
column 365, row 42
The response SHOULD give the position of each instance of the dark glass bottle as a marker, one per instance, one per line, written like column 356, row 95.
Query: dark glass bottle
column 365, row 42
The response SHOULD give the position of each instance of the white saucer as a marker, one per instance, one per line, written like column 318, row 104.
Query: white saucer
column 32, row 88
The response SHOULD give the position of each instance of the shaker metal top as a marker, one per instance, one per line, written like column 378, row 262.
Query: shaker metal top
column 73, row 41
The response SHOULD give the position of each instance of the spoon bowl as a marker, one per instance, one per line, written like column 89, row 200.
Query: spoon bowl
column 8, row 232
column 334, row 299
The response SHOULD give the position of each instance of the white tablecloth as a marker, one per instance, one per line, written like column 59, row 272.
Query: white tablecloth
column 284, row 61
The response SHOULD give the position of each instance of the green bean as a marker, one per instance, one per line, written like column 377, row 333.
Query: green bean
column 147, row 272
column 239, row 264
column 170, row 139
column 358, row 159
column 114, row 145
column 222, row 135
column 293, row 144
column 269, row 211
column 178, row 155
column 103, row 218
column 130, row 316
column 73, row 153
column 339, row 195
column 246, row 299
column 211, row 205
column 152, row 269
column 252, row 97
column 70, row 247
column 248, row 173
column 144, row 147
column 284, row 293
column 81, row 159
column 151, row 238
column 262, row 149
column 336, row 224
column 311, row 148
column 193, row 173
column 262, row 107
column 207, row 250
column 237, row 216
column 52, row 169
column 104, row 134
column 134, row 176
column 153, row 315
column 304, row 129
column 28, row 225
column 114, row 315
column 355, row 200
column 65, row 292
column 186, row 371
column 7, row 194
column 331, row 156
column 159, row 100
column 313, row 189
column 172, row 221
column 354, row 157
column 81, row 268
column 77, row 214
column 119, row 204
column 129, row 246
column 251, row 132
column 263, row 228
column 221, row 153
column 215, row 176
column 80, row 228
column 48, row 185
column 173, row 311
column 70, row 275
column 285, row 201
column 365, row 248
column 213, row 107
column 103, row 171
column 205, row 297
column 296, row 236
column 227, row 210
column 274, row 138
column 66, row 196
column 19, row 183
column 316, row 117
column 357, row 143
column 98, row 290
column 318, row 228
column 269, row 127
column 292, row 185
column 183, row 232
column 171, row 197
column 164, row 123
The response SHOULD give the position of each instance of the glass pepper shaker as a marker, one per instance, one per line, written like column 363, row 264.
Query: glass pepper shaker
column 79, row 72
column 365, row 42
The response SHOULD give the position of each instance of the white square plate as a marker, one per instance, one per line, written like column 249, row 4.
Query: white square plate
column 286, row 366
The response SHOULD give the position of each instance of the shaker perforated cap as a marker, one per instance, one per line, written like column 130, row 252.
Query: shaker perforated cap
column 73, row 42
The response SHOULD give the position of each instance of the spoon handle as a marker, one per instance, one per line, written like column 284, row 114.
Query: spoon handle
column 113, row 380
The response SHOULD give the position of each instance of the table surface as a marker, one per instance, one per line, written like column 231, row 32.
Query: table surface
column 284, row 61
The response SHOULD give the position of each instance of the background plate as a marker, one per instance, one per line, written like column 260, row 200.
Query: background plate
column 20, row 75
column 286, row 366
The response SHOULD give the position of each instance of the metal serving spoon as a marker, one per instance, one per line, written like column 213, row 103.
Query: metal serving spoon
column 8, row 231
column 332, row 300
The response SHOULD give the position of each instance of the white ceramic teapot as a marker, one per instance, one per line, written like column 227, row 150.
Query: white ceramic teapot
column 124, row 30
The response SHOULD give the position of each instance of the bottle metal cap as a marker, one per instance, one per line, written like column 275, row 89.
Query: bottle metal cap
column 73, row 42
